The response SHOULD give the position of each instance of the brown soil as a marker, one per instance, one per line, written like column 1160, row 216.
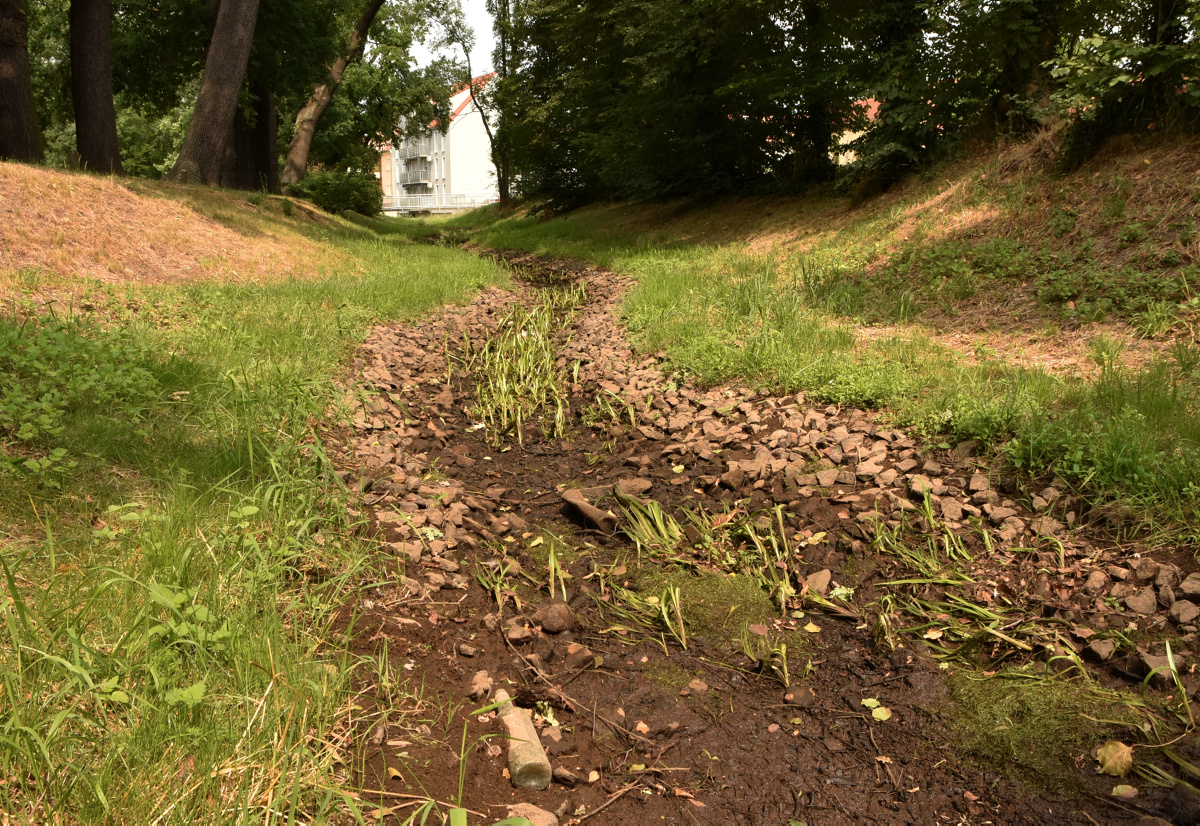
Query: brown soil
column 80, row 227
column 648, row 731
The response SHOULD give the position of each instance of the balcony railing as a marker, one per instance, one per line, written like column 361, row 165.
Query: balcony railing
column 415, row 148
column 430, row 203
column 420, row 176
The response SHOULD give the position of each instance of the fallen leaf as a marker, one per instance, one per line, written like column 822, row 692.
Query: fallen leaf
column 970, row 796
column 684, row 793
column 593, row 776
column 697, row 803
column 883, row 759
column 394, row 773
column 870, row 702
column 759, row 629
column 933, row 634
column 882, row 714
column 679, row 468
column 812, row 629
column 536, row 542
column 1115, row 758
column 638, row 767
column 1127, row 792
column 642, row 728
column 774, row 727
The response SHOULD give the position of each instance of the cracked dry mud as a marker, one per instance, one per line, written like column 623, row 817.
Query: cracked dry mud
column 637, row 729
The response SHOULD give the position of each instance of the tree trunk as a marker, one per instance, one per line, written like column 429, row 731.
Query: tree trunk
column 91, row 86
column 208, row 135
column 252, row 158
column 296, row 166
column 20, row 137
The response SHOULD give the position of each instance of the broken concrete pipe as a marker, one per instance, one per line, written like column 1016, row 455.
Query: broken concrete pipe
column 528, row 765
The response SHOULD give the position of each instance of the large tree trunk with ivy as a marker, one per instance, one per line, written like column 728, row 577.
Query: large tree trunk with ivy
column 91, row 86
column 296, row 166
column 202, row 158
column 20, row 138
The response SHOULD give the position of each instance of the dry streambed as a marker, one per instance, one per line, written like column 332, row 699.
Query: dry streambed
column 715, row 606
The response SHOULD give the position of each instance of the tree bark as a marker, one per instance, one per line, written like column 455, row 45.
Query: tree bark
column 208, row 137
column 20, row 137
column 252, row 158
column 296, row 166
column 91, row 86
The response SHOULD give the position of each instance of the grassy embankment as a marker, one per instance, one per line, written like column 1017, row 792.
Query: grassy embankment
column 1052, row 318
column 173, row 547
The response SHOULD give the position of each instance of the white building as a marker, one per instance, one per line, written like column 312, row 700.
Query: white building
column 433, row 172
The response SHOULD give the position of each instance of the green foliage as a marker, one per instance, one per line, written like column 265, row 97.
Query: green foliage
column 52, row 369
column 167, row 651
column 338, row 192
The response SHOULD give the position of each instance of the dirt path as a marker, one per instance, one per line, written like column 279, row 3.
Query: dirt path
column 805, row 511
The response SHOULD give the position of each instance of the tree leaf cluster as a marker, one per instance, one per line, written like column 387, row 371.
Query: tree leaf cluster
column 659, row 98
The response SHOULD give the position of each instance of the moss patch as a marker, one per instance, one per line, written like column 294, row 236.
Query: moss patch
column 1028, row 724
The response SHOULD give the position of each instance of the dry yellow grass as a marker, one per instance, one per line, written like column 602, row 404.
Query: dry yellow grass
column 84, row 227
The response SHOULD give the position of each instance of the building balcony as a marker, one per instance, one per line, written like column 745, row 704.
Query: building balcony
column 415, row 148
column 419, row 176
column 435, row 203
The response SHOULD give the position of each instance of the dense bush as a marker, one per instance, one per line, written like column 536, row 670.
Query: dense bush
column 338, row 192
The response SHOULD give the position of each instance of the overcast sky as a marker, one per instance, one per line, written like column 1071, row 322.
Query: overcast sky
column 481, row 22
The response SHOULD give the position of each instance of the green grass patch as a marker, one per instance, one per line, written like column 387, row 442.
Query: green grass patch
column 175, row 545
column 1031, row 725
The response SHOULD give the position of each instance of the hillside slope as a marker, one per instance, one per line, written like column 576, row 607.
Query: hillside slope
column 992, row 255
column 79, row 227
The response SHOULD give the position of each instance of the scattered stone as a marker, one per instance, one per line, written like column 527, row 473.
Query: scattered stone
column 1144, row 601
column 819, row 581
column 1191, row 586
column 1184, row 612
column 1096, row 583
column 979, row 483
column 1146, row 569
column 1160, row 667
column 1167, row 576
column 1045, row 526
column 734, row 478
column 518, row 634
column 536, row 816
column 952, row 509
column 555, row 617
column 920, row 485
column 998, row 515
column 827, row 478
column 579, row 656
column 1166, row 596
column 528, row 765
column 1099, row 651
column 467, row 650
column 633, row 486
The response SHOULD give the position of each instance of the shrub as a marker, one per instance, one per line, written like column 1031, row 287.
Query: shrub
column 337, row 192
